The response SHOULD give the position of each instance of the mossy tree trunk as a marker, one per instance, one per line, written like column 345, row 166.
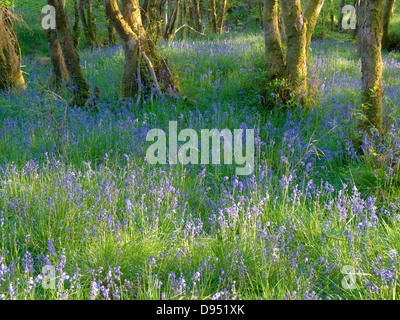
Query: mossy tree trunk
column 387, row 16
column 59, row 69
column 298, row 38
column 130, row 44
column 213, row 15
column 76, row 29
column 281, row 22
column 296, row 33
column 272, row 38
column 331, row 15
column 10, row 67
column 111, row 33
column 370, row 41
column 80, row 87
column 311, row 13
column 137, row 43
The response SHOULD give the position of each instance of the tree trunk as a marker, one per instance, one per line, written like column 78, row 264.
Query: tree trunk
column 331, row 15
column 111, row 33
column 71, row 56
column 186, row 20
column 197, row 15
column 172, row 25
column 281, row 23
column 10, row 68
column 342, row 4
column 356, row 6
column 137, row 43
column 311, row 13
column 91, row 22
column 86, row 15
column 296, row 32
column 59, row 69
column 213, row 15
column 222, row 15
column 273, row 46
column 76, row 28
column 387, row 15
column 370, row 41
column 130, row 44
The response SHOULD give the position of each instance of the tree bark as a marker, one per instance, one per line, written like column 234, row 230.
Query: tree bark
column 111, row 33
column 76, row 28
column 342, row 4
column 134, row 37
column 197, row 15
column 296, row 32
column 387, row 15
column 213, row 15
column 222, row 15
column 370, row 41
column 172, row 25
column 273, row 45
column 86, row 15
column 130, row 44
column 79, row 85
column 59, row 69
column 331, row 15
column 311, row 13
column 10, row 67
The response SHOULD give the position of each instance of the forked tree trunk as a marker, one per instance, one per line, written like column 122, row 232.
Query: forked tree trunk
column 10, row 67
column 273, row 45
column 387, row 16
column 137, row 43
column 294, row 66
column 311, row 13
column 370, row 41
column 59, row 69
column 296, row 32
column 197, row 15
column 80, row 87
